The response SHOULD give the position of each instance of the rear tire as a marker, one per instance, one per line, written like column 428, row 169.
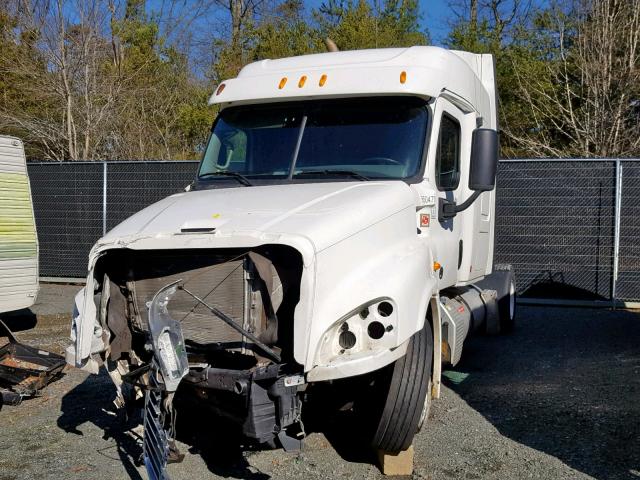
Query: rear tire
column 403, row 395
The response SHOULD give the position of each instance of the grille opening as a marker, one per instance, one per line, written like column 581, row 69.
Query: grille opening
column 259, row 289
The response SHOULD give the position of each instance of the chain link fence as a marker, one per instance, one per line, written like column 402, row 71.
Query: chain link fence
column 67, row 203
column 75, row 203
column 628, row 273
column 568, row 227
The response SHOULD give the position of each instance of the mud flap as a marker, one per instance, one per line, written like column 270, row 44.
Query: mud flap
column 489, row 298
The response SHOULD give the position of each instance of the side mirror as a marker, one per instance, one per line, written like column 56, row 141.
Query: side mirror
column 484, row 159
column 482, row 171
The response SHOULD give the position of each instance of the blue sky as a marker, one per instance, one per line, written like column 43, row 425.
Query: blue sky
column 435, row 16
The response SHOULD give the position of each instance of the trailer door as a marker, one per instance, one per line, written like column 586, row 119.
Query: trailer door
column 18, row 238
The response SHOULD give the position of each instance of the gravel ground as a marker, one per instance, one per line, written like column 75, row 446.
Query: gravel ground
column 559, row 398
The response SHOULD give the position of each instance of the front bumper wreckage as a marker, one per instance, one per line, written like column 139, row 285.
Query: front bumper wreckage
column 266, row 396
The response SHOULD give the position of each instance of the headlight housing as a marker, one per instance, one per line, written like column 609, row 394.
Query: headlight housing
column 167, row 338
column 366, row 330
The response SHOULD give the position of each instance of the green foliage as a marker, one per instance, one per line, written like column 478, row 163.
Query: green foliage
column 524, row 61
column 350, row 24
column 483, row 37
column 284, row 33
column 21, row 90
column 566, row 73
column 288, row 34
column 124, row 94
column 356, row 24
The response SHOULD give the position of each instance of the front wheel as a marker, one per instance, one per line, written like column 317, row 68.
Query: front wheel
column 402, row 398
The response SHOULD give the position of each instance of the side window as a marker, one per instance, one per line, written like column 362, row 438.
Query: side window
column 448, row 154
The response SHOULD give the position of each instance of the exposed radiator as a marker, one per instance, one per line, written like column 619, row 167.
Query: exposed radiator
column 229, row 284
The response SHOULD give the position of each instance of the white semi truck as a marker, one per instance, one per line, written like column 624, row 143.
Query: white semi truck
column 340, row 227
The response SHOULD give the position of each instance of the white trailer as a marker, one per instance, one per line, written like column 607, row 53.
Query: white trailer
column 18, row 237
column 339, row 232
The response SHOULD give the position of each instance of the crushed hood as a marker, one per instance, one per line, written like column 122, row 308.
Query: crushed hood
column 324, row 213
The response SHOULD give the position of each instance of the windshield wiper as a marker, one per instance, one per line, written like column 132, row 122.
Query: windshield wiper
column 224, row 173
column 348, row 173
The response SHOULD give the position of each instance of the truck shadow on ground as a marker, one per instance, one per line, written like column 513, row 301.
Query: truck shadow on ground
column 348, row 434
column 19, row 320
column 565, row 383
column 217, row 441
column 92, row 402
column 219, row 444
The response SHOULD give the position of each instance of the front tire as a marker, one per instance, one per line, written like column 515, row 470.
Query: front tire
column 403, row 392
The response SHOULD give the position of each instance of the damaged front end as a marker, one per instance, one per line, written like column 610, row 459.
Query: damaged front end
column 214, row 326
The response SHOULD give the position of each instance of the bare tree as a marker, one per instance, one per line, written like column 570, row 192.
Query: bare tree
column 70, row 75
column 499, row 15
column 588, row 94
column 240, row 12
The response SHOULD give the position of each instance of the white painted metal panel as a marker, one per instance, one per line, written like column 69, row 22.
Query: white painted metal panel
column 18, row 237
column 428, row 72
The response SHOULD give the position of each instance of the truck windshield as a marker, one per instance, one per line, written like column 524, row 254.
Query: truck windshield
column 357, row 138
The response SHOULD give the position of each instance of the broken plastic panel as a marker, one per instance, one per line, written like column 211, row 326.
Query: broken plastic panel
column 25, row 370
column 167, row 338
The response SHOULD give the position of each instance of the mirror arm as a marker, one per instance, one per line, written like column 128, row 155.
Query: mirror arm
column 447, row 209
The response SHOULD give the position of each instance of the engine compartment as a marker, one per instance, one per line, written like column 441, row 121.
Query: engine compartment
column 246, row 373
column 257, row 288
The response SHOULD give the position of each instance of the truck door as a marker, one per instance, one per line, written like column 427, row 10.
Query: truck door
column 448, row 172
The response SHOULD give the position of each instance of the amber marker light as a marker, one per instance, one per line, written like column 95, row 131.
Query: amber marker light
column 436, row 266
column 283, row 82
column 403, row 77
column 302, row 81
column 220, row 89
column 323, row 80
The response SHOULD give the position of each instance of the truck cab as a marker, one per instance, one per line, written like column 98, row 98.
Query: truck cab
column 340, row 226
